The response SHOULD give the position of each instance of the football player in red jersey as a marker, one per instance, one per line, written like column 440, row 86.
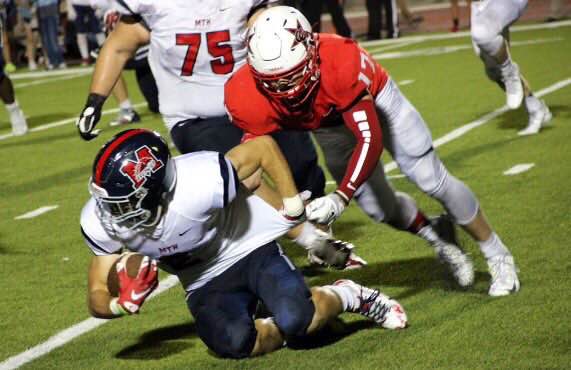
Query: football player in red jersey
column 297, row 80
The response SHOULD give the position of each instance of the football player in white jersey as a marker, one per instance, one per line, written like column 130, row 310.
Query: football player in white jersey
column 490, row 24
column 191, row 216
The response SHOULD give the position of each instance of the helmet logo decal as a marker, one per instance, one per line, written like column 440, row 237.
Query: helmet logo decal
column 147, row 164
column 299, row 34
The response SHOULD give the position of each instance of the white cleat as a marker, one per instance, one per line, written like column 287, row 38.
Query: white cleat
column 513, row 85
column 19, row 125
column 504, row 276
column 537, row 120
column 371, row 303
column 457, row 262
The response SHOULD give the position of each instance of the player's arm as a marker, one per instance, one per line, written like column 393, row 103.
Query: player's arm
column 98, row 296
column 263, row 153
column 119, row 47
column 362, row 119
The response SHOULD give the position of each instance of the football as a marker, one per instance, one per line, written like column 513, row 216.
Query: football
column 133, row 262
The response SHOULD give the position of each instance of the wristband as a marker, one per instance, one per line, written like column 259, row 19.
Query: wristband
column 116, row 308
column 343, row 197
column 95, row 100
column 293, row 207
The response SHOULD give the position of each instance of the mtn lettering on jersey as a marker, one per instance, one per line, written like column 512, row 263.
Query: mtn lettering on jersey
column 195, row 47
column 347, row 72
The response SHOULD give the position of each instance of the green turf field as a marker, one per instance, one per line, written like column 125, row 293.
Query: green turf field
column 43, row 260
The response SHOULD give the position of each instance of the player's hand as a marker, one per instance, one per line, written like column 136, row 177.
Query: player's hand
column 90, row 116
column 134, row 291
column 294, row 208
column 326, row 209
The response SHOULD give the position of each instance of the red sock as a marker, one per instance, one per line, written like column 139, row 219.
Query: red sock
column 418, row 223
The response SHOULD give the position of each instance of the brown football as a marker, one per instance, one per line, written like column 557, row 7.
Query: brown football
column 133, row 263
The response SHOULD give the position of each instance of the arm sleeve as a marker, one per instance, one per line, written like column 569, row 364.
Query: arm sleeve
column 363, row 122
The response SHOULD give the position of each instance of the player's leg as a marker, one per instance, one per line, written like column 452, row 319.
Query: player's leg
column 298, row 311
column 17, row 119
column 127, row 113
column 147, row 84
column 490, row 35
column 379, row 201
column 412, row 149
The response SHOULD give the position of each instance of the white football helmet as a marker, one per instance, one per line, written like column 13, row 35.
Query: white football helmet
column 282, row 54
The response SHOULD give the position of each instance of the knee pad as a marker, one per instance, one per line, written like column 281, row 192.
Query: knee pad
column 458, row 200
column 428, row 173
column 294, row 316
column 433, row 178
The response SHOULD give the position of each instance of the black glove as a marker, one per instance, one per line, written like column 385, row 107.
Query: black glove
column 90, row 116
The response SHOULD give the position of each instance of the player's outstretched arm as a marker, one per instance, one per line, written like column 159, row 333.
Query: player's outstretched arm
column 263, row 152
column 361, row 118
column 119, row 46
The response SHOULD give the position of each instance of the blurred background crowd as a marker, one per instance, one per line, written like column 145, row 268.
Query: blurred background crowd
column 51, row 34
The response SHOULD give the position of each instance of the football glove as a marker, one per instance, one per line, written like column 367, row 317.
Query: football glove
column 326, row 209
column 90, row 116
column 134, row 291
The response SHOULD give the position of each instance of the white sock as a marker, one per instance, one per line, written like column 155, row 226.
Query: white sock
column 126, row 105
column 345, row 295
column 307, row 236
column 82, row 45
column 493, row 247
column 100, row 37
column 532, row 103
column 427, row 233
column 14, row 107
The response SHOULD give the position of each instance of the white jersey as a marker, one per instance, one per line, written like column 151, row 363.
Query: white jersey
column 195, row 47
column 211, row 223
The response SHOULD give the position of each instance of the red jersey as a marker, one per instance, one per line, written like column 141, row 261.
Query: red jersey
column 347, row 73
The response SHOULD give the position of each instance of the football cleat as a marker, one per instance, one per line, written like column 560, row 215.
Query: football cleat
column 513, row 85
column 504, row 276
column 18, row 121
column 537, row 120
column 457, row 262
column 126, row 116
column 376, row 306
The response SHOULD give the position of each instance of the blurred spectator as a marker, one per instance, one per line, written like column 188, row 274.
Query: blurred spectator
column 556, row 11
column 48, row 18
column 9, row 17
column 455, row 11
column 26, row 13
column 312, row 11
column 375, row 8
column 86, row 22
column 17, row 119
column 409, row 17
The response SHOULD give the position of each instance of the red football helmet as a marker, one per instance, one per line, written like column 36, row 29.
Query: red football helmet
column 282, row 55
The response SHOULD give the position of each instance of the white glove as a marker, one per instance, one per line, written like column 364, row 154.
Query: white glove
column 326, row 209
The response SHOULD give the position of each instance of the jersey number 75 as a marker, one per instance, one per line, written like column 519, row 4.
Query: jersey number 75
column 224, row 60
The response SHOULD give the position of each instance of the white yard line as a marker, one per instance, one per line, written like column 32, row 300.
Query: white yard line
column 439, row 50
column 405, row 82
column 50, row 80
column 41, row 74
column 71, row 333
column 519, row 168
column 36, row 212
column 65, row 122
column 458, row 35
